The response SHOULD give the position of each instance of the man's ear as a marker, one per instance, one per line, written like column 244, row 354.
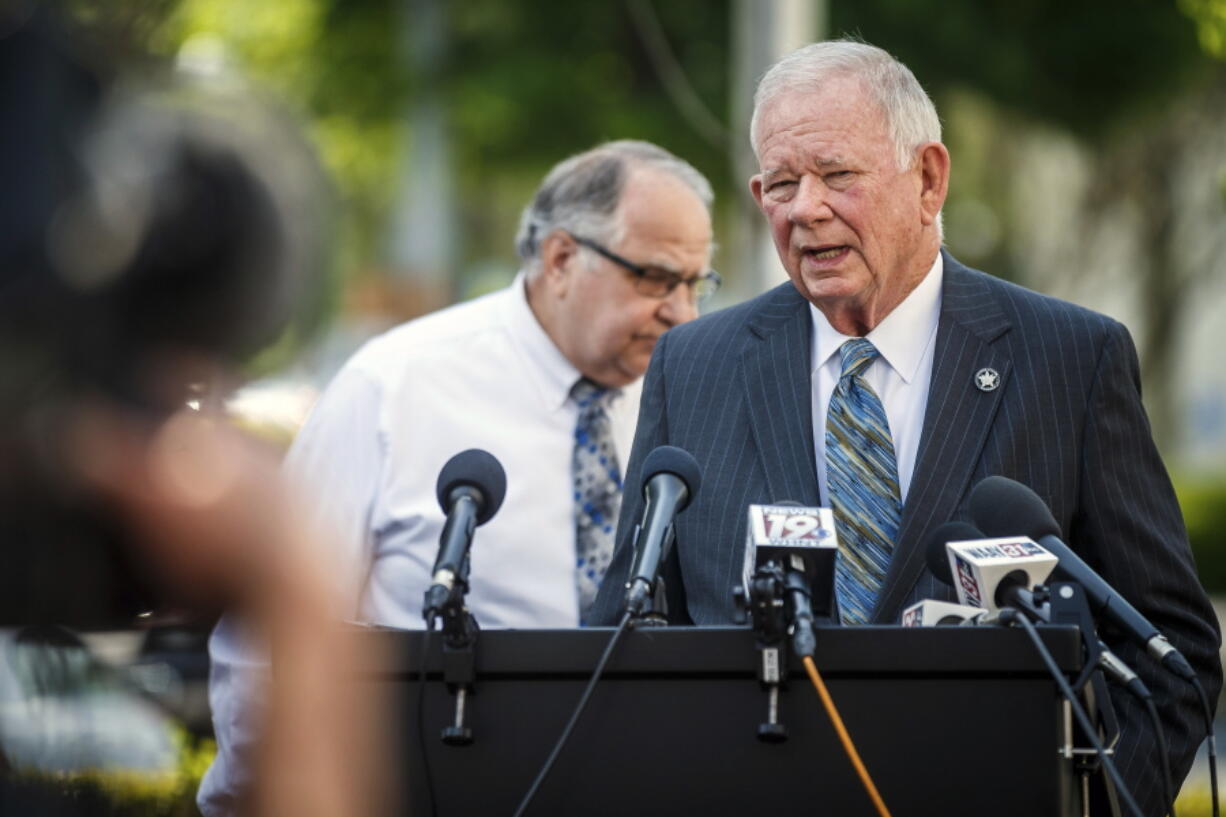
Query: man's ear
column 755, row 188
column 934, row 180
column 558, row 255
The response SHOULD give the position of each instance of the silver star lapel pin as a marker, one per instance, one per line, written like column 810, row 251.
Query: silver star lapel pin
column 987, row 379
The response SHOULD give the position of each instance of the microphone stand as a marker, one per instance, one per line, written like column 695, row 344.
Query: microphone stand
column 1069, row 605
column 459, row 633
column 1065, row 603
column 764, row 601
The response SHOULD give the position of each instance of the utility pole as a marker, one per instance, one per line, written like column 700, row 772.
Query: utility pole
column 762, row 32
column 422, row 235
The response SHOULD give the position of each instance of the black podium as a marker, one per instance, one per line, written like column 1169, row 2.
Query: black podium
column 949, row 721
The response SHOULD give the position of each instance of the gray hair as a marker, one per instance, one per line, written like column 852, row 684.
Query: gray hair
column 910, row 116
column 581, row 194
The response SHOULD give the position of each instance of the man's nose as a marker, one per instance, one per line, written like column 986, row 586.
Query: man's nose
column 810, row 203
column 678, row 306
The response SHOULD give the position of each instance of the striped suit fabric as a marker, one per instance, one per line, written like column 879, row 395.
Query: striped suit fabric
column 733, row 389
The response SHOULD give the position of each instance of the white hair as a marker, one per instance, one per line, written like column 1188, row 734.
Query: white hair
column 911, row 118
column 581, row 193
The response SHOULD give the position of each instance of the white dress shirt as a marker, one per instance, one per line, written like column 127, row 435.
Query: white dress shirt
column 482, row 374
column 906, row 339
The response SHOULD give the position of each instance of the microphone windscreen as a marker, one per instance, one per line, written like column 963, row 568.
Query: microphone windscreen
column 1003, row 507
column 934, row 551
column 668, row 459
column 478, row 469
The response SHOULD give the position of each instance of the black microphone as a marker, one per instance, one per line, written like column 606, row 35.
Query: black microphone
column 470, row 490
column 1003, row 507
column 935, row 552
column 670, row 480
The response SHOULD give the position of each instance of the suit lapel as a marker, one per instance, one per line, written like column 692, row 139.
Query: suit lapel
column 775, row 371
column 956, row 423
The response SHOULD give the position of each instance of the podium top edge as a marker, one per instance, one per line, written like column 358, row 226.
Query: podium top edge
column 863, row 651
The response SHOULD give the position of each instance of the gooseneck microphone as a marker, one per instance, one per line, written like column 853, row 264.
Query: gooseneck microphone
column 470, row 490
column 670, row 480
column 1003, row 507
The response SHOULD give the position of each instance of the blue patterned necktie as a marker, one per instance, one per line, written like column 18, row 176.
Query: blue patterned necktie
column 598, row 490
column 862, row 481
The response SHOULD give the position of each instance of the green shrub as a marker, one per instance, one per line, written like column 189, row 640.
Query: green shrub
column 133, row 794
column 1204, row 511
column 1194, row 801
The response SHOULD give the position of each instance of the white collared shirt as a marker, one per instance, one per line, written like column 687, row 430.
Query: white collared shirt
column 901, row 375
column 482, row 374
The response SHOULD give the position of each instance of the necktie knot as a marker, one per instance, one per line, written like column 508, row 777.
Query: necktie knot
column 856, row 355
column 589, row 395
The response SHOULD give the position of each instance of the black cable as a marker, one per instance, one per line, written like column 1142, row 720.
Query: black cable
column 1208, row 710
column 574, row 718
column 421, row 709
column 1082, row 718
column 1168, row 788
column 1123, row 675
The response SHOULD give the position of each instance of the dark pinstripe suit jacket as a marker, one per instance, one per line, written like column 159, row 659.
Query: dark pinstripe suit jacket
column 733, row 389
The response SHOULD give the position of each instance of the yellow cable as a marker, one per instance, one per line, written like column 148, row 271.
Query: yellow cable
column 845, row 738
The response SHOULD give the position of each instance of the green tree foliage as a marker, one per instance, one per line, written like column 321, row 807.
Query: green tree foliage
column 1204, row 511
column 1084, row 65
column 530, row 82
column 525, row 83
column 334, row 64
column 1210, row 17
column 534, row 80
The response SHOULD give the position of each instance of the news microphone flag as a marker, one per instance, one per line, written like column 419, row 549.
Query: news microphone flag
column 933, row 613
column 980, row 565
column 795, row 537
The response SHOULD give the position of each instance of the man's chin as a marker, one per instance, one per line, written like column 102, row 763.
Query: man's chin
column 631, row 370
column 837, row 285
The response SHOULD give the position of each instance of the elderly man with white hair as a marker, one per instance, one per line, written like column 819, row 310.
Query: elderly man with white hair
column 885, row 380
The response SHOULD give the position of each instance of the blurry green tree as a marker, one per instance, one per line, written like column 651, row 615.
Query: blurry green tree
column 1210, row 17
column 528, row 81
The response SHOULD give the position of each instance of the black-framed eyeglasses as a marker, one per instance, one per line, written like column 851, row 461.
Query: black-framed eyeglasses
column 655, row 282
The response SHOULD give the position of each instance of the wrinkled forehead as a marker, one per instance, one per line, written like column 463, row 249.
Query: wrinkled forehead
column 839, row 100
column 822, row 129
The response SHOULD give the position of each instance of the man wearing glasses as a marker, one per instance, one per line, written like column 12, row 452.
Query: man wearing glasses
column 545, row 375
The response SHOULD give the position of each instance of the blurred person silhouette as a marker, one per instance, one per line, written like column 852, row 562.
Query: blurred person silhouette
column 148, row 248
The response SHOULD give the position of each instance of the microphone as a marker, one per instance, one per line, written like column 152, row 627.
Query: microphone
column 470, row 490
column 934, row 549
column 930, row 612
column 933, row 613
column 798, row 545
column 990, row 573
column 798, row 539
column 670, row 480
column 1013, row 589
column 987, row 573
column 999, row 504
